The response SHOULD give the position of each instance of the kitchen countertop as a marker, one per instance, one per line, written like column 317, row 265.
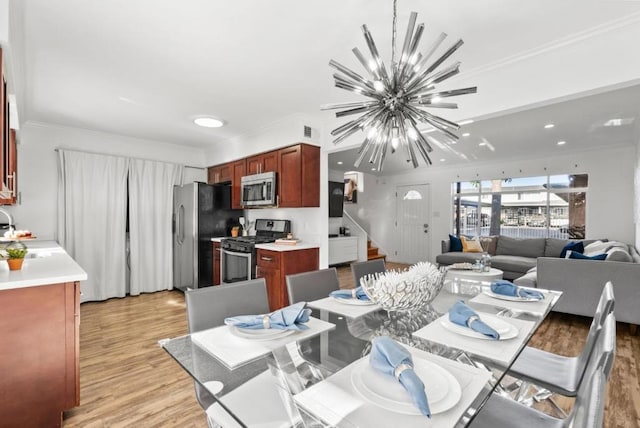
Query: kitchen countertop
column 278, row 247
column 46, row 263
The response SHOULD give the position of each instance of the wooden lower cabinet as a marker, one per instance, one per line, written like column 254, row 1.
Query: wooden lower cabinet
column 274, row 266
column 216, row 263
column 39, row 356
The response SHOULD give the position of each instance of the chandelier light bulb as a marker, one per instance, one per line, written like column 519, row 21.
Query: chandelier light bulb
column 398, row 97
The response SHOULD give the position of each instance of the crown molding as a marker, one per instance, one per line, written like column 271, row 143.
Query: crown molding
column 598, row 30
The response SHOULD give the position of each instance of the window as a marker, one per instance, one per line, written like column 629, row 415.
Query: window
column 527, row 207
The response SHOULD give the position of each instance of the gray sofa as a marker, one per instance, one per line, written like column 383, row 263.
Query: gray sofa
column 581, row 281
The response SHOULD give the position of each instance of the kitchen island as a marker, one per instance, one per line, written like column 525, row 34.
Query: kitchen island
column 39, row 324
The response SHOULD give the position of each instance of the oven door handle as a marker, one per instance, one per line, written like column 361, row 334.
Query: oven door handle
column 237, row 254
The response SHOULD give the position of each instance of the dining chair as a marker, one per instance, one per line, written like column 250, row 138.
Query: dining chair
column 208, row 307
column 313, row 285
column 557, row 373
column 360, row 269
column 588, row 409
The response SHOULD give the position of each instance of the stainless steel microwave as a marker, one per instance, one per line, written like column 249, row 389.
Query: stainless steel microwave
column 259, row 190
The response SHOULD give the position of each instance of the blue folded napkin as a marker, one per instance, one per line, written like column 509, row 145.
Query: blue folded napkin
column 507, row 288
column 290, row 318
column 386, row 356
column 463, row 315
column 349, row 294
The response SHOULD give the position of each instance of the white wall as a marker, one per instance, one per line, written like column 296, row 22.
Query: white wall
column 38, row 168
column 609, row 201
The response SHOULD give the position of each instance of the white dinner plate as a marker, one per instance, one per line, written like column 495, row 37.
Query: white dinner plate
column 443, row 390
column 505, row 329
column 511, row 298
column 259, row 334
column 356, row 302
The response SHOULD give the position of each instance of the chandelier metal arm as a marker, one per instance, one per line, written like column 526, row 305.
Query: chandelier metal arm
column 406, row 65
column 352, row 74
column 343, row 84
column 444, row 94
column 376, row 57
column 429, row 52
column 365, row 64
column 427, row 80
column 361, row 122
column 353, row 104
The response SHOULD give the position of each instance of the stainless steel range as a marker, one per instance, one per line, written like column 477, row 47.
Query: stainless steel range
column 238, row 255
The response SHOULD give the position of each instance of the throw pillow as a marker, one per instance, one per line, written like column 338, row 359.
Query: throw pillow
column 471, row 245
column 455, row 244
column 489, row 244
column 576, row 247
column 617, row 254
column 575, row 255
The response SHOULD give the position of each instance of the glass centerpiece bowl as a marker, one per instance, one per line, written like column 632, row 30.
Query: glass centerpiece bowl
column 403, row 290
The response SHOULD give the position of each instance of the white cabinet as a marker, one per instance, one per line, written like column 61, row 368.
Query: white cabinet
column 343, row 249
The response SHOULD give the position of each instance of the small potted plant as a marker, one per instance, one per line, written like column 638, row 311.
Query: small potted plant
column 16, row 252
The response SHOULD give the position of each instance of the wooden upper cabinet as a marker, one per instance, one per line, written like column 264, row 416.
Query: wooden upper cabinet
column 299, row 176
column 264, row 162
column 239, row 169
column 220, row 173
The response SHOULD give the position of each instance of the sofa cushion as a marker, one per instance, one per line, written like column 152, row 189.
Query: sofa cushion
column 451, row 258
column 575, row 246
column 579, row 256
column 520, row 247
column 553, row 247
column 513, row 263
column 455, row 244
column 471, row 245
column 529, row 279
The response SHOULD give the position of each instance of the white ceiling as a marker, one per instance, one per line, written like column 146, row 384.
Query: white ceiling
column 146, row 68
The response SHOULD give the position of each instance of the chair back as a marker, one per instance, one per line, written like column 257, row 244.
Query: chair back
column 208, row 307
column 314, row 285
column 588, row 410
column 360, row 269
column 604, row 308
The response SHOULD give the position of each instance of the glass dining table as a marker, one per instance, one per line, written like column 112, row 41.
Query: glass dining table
column 324, row 379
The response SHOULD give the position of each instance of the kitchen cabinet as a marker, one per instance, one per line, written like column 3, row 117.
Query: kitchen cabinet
column 264, row 162
column 343, row 249
column 216, row 263
column 39, row 356
column 8, row 150
column 299, row 176
column 220, row 173
column 239, row 169
column 274, row 266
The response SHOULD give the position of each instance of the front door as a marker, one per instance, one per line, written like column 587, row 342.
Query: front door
column 412, row 223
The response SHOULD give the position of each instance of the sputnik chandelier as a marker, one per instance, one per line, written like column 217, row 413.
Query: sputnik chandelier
column 398, row 97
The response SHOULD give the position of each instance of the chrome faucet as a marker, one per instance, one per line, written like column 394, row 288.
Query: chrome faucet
column 6, row 213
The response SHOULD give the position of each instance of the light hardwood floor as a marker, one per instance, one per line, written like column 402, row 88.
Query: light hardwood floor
column 127, row 380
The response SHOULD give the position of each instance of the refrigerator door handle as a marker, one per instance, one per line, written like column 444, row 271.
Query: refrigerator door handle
column 180, row 225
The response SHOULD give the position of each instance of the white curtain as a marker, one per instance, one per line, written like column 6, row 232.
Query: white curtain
column 150, row 211
column 92, row 196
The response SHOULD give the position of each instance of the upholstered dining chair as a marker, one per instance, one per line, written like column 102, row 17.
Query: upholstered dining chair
column 313, row 285
column 360, row 269
column 557, row 373
column 207, row 308
column 588, row 409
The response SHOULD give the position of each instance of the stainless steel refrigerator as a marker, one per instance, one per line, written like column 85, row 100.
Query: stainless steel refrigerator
column 200, row 212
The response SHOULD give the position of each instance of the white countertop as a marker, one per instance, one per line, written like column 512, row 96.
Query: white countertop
column 52, row 265
column 279, row 247
column 219, row 238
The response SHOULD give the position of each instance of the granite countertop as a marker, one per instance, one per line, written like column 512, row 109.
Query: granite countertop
column 46, row 263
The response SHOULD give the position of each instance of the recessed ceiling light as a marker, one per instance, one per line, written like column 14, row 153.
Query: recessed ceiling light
column 619, row 121
column 442, row 160
column 339, row 162
column 208, row 122
column 373, row 169
column 549, row 126
column 466, row 134
column 482, row 144
column 561, row 143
